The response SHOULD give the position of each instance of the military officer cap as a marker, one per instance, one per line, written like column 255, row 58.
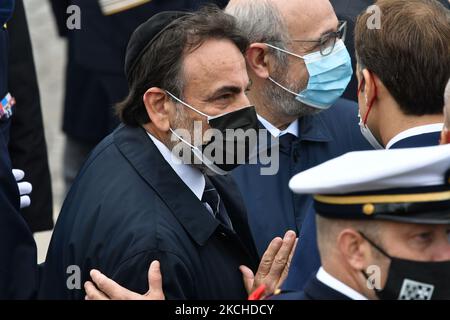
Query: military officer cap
column 404, row 185
column 143, row 37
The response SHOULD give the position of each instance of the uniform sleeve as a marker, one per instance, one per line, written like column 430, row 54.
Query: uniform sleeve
column 178, row 282
column 18, row 268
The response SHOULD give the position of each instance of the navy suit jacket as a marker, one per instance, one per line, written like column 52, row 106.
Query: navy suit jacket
column 127, row 208
column 421, row 140
column 272, row 207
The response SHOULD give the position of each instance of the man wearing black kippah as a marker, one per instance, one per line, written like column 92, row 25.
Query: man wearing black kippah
column 151, row 191
column 94, row 79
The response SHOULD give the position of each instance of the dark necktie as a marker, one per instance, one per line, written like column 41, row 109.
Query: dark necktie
column 212, row 198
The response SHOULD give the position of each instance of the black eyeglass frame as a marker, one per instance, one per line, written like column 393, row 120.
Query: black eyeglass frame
column 325, row 47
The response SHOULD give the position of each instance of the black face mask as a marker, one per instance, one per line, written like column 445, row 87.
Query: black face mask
column 414, row 280
column 228, row 145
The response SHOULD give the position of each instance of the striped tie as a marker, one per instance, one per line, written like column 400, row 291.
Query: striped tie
column 211, row 199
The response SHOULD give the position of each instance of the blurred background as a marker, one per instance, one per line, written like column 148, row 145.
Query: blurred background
column 50, row 60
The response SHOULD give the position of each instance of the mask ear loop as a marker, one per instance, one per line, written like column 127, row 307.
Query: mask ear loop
column 372, row 100
column 187, row 105
column 380, row 250
column 374, row 245
column 285, row 51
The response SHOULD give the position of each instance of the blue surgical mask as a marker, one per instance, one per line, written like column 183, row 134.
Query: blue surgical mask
column 368, row 135
column 6, row 11
column 328, row 76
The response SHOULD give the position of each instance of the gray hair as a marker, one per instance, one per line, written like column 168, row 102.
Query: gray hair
column 261, row 21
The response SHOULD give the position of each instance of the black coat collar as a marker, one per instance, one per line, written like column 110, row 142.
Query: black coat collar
column 136, row 146
column 144, row 156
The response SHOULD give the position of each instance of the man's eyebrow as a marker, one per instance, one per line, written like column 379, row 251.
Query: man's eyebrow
column 330, row 30
column 226, row 89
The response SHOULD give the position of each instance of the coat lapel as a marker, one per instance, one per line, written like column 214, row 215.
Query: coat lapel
column 234, row 204
column 144, row 156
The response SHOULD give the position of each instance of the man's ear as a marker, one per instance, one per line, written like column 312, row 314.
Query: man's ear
column 445, row 136
column 353, row 248
column 258, row 59
column 157, row 105
column 368, row 88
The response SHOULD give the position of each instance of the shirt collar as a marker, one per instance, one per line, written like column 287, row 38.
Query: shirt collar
column 309, row 128
column 191, row 176
column 337, row 285
column 436, row 127
column 274, row 131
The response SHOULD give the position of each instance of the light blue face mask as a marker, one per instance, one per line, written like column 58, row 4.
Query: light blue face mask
column 328, row 76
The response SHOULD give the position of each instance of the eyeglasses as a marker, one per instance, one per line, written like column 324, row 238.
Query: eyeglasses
column 328, row 40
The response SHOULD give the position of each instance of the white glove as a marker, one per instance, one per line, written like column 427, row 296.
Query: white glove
column 25, row 188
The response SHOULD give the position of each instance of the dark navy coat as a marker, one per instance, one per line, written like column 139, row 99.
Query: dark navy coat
column 95, row 80
column 272, row 207
column 127, row 208
column 18, row 270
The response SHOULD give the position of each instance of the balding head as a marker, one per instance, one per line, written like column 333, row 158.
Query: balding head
column 276, row 23
column 261, row 20
column 266, row 20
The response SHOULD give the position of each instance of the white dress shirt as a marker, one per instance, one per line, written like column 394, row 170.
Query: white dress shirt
column 274, row 131
column 436, row 127
column 337, row 285
column 190, row 175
